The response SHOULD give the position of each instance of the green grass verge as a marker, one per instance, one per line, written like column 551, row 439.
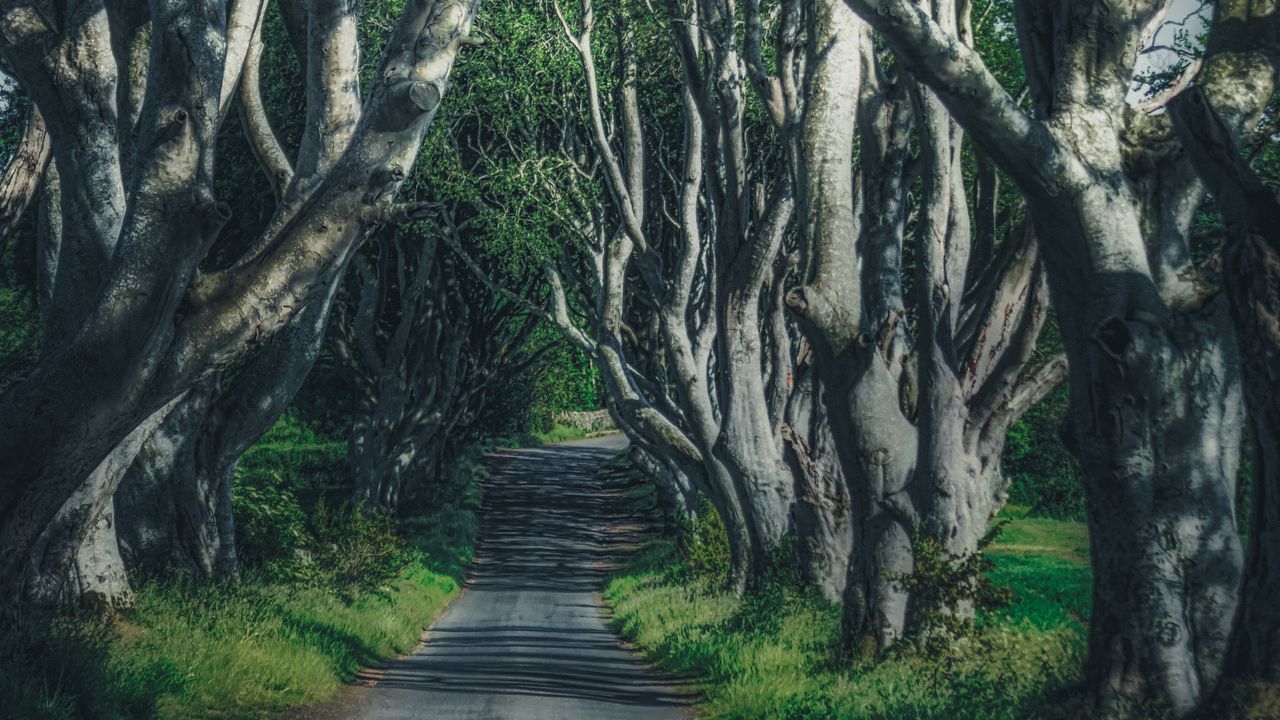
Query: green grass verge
column 253, row 648
column 244, row 650
column 774, row 655
column 559, row 433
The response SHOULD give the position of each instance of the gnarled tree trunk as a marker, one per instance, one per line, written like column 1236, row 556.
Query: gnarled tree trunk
column 823, row 511
column 1154, row 378
column 131, row 325
column 1251, row 276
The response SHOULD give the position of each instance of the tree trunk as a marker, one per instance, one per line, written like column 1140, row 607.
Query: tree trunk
column 1251, row 276
column 823, row 512
column 1252, row 271
column 174, row 511
column 76, row 559
column 748, row 447
column 676, row 493
column 372, row 462
column 22, row 177
column 1157, row 431
column 879, row 460
column 175, row 505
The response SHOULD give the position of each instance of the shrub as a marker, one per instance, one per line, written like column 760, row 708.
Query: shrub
column 353, row 550
column 270, row 524
column 705, row 543
column 946, row 590
column 279, row 478
column 1042, row 474
column 19, row 336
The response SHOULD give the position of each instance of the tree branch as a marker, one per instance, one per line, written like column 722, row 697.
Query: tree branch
column 22, row 177
column 263, row 140
column 1246, row 203
column 1036, row 386
column 333, row 88
column 244, row 28
column 1021, row 146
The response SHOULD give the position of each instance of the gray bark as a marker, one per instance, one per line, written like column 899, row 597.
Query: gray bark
column 823, row 510
column 920, row 421
column 676, row 492
column 145, row 329
column 76, row 559
column 718, row 361
column 1251, row 263
column 166, row 501
column 174, row 506
column 855, row 354
column 21, row 178
column 1155, row 414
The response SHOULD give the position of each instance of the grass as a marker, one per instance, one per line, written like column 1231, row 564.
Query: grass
column 559, row 433
column 256, row 647
column 240, row 651
column 774, row 655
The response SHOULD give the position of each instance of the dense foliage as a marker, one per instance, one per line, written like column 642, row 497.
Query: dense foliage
column 856, row 279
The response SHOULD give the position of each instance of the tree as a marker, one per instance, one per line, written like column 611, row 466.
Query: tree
column 520, row 165
column 919, row 410
column 717, row 362
column 134, row 328
column 1250, row 277
column 21, row 178
column 1155, row 412
column 424, row 350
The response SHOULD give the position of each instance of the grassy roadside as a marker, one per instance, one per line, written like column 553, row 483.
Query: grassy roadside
column 563, row 433
column 278, row 638
column 557, row 433
column 773, row 655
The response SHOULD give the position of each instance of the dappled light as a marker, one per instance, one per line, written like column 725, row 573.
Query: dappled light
column 555, row 359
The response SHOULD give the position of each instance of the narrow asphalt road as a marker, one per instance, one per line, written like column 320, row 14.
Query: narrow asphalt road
column 528, row 640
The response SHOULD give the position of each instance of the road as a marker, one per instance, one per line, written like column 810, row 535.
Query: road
column 527, row 640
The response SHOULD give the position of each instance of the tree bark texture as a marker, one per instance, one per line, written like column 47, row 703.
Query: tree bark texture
column 130, row 324
column 1153, row 369
column 1251, row 277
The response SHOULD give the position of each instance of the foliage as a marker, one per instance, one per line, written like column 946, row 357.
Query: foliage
column 1042, row 474
column 19, row 336
column 490, row 154
column 559, row 433
column 353, row 550
column 945, row 590
column 270, row 524
column 559, row 379
column 775, row 655
column 563, row 380
column 278, row 478
column 704, row 543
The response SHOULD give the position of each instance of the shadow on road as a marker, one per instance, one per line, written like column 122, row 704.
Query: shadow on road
column 528, row 639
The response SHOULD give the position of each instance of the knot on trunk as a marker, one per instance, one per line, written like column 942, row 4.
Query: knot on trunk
column 424, row 96
column 1114, row 337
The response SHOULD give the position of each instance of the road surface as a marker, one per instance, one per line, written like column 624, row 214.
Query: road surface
column 527, row 640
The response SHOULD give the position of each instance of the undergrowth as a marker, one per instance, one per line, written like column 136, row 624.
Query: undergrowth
column 559, row 433
column 327, row 590
column 775, row 654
